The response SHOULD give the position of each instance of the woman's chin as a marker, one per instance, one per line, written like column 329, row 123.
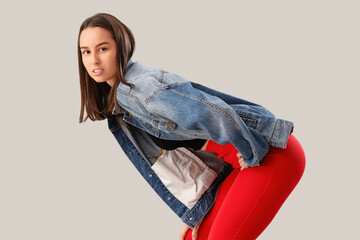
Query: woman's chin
column 99, row 80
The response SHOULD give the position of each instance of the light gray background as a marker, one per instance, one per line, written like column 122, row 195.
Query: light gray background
column 63, row 180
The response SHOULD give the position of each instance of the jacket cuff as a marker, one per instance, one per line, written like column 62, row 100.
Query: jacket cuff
column 281, row 133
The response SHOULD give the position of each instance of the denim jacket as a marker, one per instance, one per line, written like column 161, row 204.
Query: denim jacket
column 169, row 106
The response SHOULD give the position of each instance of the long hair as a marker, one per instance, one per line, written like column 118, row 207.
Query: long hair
column 99, row 99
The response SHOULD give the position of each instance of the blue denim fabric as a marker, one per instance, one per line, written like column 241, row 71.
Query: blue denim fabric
column 143, row 153
column 168, row 106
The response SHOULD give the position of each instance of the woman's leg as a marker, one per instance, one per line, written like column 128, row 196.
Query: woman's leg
column 210, row 217
column 248, row 200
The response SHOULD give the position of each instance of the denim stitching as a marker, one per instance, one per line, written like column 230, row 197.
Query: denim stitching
column 117, row 127
column 148, row 166
column 155, row 157
column 134, row 97
column 216, row 109
column 271, row 137
column 152, row 95
column 127, row 93
column 160, row 79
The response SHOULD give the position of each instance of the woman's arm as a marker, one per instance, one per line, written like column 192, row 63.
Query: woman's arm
column 195, row 111
column 194, row 233
column 183, row 232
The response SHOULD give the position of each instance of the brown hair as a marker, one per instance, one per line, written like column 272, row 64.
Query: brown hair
column 99, row 99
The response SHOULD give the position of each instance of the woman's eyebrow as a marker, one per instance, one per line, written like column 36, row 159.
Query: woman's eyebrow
column 97, row 45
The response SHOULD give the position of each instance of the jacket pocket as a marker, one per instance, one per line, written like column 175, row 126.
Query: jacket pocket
column 184, row 174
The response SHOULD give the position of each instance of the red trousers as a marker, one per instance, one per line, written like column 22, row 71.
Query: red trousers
column 248, row 200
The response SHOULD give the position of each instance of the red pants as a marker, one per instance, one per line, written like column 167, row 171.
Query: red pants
column 248, row 200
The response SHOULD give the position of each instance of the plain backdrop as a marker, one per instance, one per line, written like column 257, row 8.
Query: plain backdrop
column 63, row 180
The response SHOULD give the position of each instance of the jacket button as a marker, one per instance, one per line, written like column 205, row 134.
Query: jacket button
column 169, row 198
column 190, row 219
column 150, row 175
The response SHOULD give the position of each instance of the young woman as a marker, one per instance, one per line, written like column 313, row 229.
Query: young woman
column 198, row 148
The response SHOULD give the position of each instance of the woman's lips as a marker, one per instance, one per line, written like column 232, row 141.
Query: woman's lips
column 98, row 71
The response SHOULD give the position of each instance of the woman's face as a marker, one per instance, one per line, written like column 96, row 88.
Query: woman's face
column 98, row 50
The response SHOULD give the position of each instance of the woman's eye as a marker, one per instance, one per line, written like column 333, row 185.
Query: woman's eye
column 86, row 52
column 102, row 49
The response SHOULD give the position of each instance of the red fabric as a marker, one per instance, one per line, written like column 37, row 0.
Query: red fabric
column 248, row 200
column 227, row 152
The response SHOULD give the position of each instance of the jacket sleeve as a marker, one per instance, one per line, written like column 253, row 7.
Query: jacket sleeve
column 193, row 109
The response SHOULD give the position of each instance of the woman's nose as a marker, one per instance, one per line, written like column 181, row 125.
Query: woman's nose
column 95, row 59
